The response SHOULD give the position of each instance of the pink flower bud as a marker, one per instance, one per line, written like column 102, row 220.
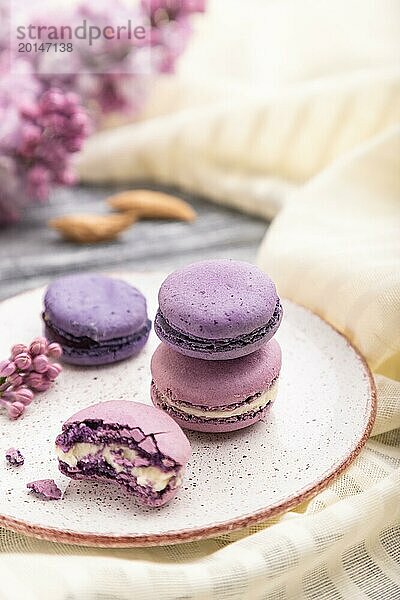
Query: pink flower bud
column 30, row 138
column 74, row 145
column 18, row 349
column 33, row 380
column 31, row 133
column 53, row 371
column 23, row 361
column 78, row 121
column 43, row 386
column 52, row 100
column 54, row 350
column 67, row 177
column 72, row 98
column 29, row 111
column 9, row 396
column 40, row 363
column 7, row 368
column 15, row 410
column 38, row 346
column 24, row 395
column 38, row 175
column 15, row 379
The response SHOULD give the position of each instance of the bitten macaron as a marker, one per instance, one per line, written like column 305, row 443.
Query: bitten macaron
column 135, row 445
column 215, row 396
column 96, row 319
column 217, row 309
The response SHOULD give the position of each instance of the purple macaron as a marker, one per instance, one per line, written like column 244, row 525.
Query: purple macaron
column 132, row 444
column 215, row 396
column 96, row 319
column 217, row 309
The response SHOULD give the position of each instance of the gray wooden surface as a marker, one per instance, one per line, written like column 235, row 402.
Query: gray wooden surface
column 31, row 254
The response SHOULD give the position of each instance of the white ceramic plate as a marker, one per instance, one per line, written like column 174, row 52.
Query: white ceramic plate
column 320, row 420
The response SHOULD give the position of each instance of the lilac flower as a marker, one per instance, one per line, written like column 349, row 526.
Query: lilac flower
column 15, row 410
column 24, row 395
column 38, row 346
column 7, row 368
column 28, row 370
column 18, row 349
column 36, row 141
column 22, row 361
column 41, row 363
column 53, row 371
column 15, row 380
column 107, row 74
column 54, row 350
column 42, row 98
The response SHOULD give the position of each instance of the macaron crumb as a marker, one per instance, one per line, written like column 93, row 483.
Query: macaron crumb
column 45, row 489
column 14, row 457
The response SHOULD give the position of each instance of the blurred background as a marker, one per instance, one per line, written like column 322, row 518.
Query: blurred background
column 231, row 106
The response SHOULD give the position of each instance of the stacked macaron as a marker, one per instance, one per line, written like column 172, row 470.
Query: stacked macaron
column 217, row 367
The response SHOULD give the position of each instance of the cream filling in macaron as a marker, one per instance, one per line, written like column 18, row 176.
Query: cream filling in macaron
column 145, row 476
column 257, row 404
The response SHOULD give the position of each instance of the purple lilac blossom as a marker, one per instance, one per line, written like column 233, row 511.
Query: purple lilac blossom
column 42, row 116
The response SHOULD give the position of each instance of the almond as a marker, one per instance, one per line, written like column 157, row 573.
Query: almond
column 89, row 229
column 149, row 204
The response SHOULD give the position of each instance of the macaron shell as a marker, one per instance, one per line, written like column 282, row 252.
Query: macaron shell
column 102, row 355
column 170, row 438
column 236, row 351
column 95, row 306
column 218, row 299
column 215, row 383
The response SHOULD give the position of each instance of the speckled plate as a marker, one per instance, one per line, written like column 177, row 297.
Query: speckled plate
column 318, row 424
